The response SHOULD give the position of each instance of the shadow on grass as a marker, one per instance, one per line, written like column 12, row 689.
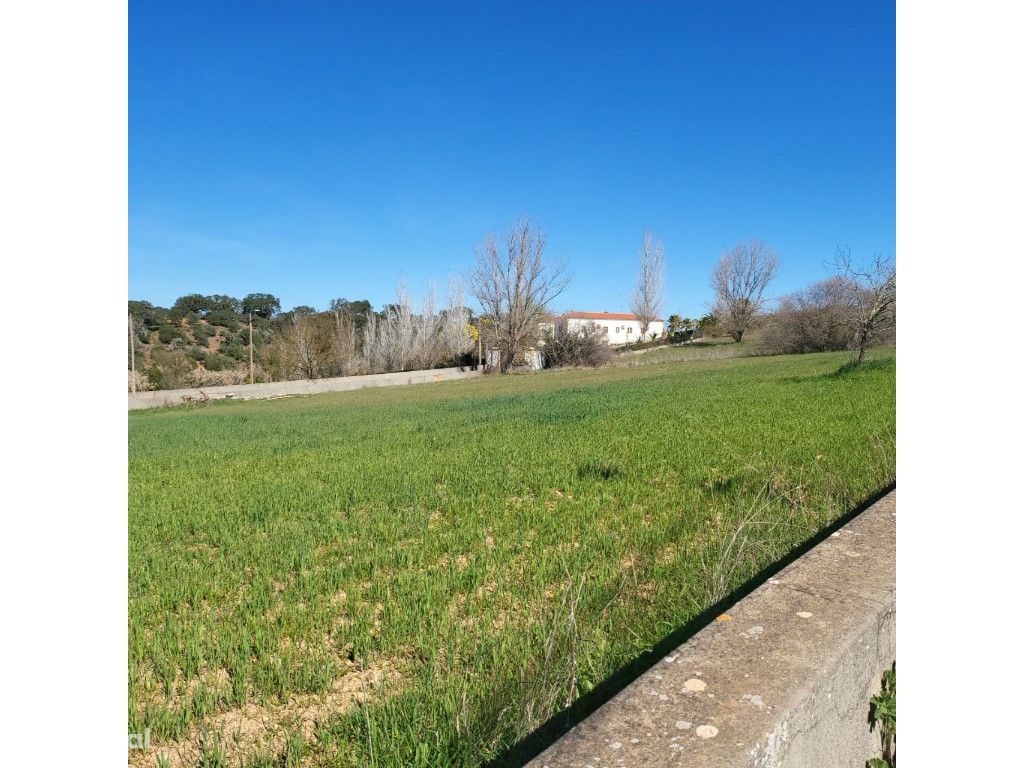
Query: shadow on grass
column 847, row 370
column 542, row 738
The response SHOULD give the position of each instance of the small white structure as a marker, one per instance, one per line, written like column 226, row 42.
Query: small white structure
column 618, row 327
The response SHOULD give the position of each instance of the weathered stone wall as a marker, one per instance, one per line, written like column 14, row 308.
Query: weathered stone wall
column 166, row 397
column 782, row 679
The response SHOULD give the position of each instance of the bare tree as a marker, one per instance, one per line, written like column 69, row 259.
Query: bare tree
column 871, row 292
column 514, row 286
column 818, row 318
column 304, row 340
column 739, row 281
column 584, row 346
column 647, row 298
column 455, row 335
column 402, row 338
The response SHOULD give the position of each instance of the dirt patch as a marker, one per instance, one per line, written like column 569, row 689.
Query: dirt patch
column 213, row 343
column 256, row 728
column 667, row 554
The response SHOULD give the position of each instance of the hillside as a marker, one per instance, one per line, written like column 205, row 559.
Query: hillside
column 204, row 340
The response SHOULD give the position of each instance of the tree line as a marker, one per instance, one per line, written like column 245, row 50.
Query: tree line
column 218, row 339
column 208, row 340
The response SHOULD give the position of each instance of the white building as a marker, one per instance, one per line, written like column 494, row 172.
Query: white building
column 618, row 327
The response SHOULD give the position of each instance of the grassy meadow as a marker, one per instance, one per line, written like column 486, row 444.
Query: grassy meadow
column 719, row 348
column 421, row 576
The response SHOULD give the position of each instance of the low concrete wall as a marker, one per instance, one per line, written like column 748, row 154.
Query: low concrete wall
column 782, row 679
column 159, row 398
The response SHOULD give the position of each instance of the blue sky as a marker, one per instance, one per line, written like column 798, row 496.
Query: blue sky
column 324, row 149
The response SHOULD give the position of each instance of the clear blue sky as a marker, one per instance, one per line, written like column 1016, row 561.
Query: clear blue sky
column 324, row 149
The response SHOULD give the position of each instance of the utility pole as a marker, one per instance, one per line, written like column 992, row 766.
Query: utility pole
column 252, row 371
column 479, row 346
column 131, row 335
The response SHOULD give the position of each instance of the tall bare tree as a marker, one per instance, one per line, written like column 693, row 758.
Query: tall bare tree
column 648, row 293
column 740, row 280
column 871, row 292
column 305, row 341
column 455, row 335
column 514, row 285
column 398, row 339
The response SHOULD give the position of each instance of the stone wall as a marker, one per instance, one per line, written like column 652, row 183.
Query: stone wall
column 782, row 679
column 159, row 398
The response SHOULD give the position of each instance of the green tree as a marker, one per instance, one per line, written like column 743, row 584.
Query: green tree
column 357, row 310
column 193, row 302
column 263, row 305
column 146, row 315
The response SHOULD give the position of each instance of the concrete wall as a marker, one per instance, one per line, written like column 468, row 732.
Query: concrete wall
column 166, row 397
column 782, row 679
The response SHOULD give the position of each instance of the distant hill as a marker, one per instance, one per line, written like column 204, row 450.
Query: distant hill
column 204, row 340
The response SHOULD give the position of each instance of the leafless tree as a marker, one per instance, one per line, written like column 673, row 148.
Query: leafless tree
column 341, row 344
column 819, row 318
column 740, row 281
column 404, row 338
column 872, row 294
column 648, row 293
column 304, row 339
column 585, row 346
column 455, row 336
column 514, row 285
column 313, row 345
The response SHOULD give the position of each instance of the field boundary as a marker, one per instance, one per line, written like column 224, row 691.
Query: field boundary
column 781, row 678
column 168, row 397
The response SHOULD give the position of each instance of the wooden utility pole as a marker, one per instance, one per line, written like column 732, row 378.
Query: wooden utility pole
column 479, row 346
column 252, row 371
column 131, row 335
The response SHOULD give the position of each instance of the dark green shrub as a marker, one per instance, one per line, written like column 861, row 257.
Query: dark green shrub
column 216, row 363
column 155, row 376
column 234, row 350
column 202, row 332
column 169, row 333
column 223, row 318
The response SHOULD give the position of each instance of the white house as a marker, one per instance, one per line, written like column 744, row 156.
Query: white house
column 618, row 327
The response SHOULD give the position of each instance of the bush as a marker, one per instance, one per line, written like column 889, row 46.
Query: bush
column 647, row 343
column 224, row 319
column 583, row 348
column 197, row 354
column 235, row 350
column 202, row 332
column 680, row 336
column 217, row 362
column 172, row 368
column 155, row 376
column 169, row 333
column 816, row 319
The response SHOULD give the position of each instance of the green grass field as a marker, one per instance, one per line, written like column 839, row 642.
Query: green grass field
column 422, row 575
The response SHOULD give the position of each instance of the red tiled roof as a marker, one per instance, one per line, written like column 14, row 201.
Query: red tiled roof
column 603, row 316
